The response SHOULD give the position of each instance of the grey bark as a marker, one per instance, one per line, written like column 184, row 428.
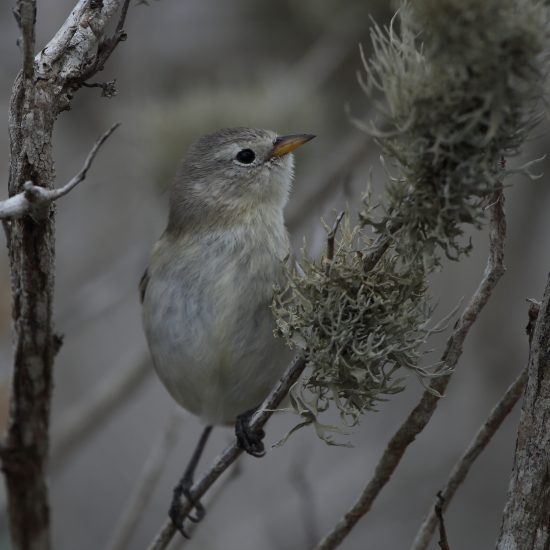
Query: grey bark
column 41, row 91
column 526, row 519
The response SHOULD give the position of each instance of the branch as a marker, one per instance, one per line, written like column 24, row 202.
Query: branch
column 79, row 47
column 482, row 438
column 422, row 413
column 25, row 14
column 525, row 520
column 106, row 48
column 440, row 503
column 232, row 452
column 41, row 91
column 35, row 200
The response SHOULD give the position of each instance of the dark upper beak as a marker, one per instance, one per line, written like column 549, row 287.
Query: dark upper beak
column 286, row 144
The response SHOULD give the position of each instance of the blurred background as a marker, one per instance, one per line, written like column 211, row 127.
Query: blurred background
column 187, row 68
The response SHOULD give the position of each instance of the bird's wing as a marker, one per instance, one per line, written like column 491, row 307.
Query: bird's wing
column 143, row 285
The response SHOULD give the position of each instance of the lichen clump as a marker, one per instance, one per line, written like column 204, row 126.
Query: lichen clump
column 356, row 327
column 456, row 86
column 459, row 84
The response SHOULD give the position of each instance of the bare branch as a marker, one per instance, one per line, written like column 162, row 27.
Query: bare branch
column 330, row 242
column 525, row 520
column 443, row 542
column 212, row 499
column 233, row 451
column 25, row 14
column 422, row 413
column 57, row 193
column 145, row 485
column 79, row 47
column 482, row 438
column 36, row 102
column 35, row 200
column 107, row 46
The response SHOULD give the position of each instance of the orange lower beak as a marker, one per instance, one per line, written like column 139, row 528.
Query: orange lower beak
column 286, row 144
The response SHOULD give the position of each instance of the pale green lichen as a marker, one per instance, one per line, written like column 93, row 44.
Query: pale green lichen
column 460, row 82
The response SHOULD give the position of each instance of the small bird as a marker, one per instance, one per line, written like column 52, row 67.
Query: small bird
column 207, row 290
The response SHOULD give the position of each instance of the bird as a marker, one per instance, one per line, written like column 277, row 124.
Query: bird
column 207, row 289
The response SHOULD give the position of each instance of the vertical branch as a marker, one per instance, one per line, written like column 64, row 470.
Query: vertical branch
column 25, row 14
column 38, row 97
column 31, row 252
column 526, row 519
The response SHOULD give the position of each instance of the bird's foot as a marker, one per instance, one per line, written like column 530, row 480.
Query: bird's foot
column 183, row 489
column 248, row 439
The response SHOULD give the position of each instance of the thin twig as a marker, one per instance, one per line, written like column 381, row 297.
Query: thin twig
column 482, row 438
column 330, row 242
column 146, row 483
column 233, row 451
column 234, row 472
column 443, row 542
column 35, row 200
column 422, row 413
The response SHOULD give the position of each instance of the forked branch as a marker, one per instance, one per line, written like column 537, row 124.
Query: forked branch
column 35, row 200
column 422, row 413
column 482, row 438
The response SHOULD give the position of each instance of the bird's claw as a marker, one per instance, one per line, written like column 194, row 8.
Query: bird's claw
column 175, row 513
column 248, row 439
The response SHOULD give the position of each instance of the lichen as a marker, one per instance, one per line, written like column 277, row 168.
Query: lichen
column 456, row 89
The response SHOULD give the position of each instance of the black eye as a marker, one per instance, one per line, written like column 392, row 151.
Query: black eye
column 246, row 156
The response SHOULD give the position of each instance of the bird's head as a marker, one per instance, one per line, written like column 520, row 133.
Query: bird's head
column 232, row 173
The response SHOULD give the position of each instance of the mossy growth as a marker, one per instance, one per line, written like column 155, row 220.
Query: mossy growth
column 456, row 84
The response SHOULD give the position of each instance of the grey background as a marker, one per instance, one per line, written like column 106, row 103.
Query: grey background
column 189, row 67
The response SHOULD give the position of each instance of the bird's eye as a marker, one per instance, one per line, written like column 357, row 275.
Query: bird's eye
column 246, row 156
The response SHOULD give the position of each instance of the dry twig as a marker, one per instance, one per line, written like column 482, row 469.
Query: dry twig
column 258, row 420
column 443, row 542
column 482, row 438
column 35, row 200
column 232, row 452
column 422, row 413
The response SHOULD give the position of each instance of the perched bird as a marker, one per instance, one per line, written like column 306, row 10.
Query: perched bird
column 209, row 284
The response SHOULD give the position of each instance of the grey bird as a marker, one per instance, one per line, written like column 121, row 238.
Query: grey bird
column 209, row 284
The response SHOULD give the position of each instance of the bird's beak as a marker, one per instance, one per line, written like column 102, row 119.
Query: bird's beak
column 286, row 144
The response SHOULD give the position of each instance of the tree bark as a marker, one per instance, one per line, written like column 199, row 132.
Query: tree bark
column 31, row 251
column 41, row 91
column 526, row 520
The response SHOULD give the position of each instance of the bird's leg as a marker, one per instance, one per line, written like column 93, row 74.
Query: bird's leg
column 183, row 488
column 248, row 439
